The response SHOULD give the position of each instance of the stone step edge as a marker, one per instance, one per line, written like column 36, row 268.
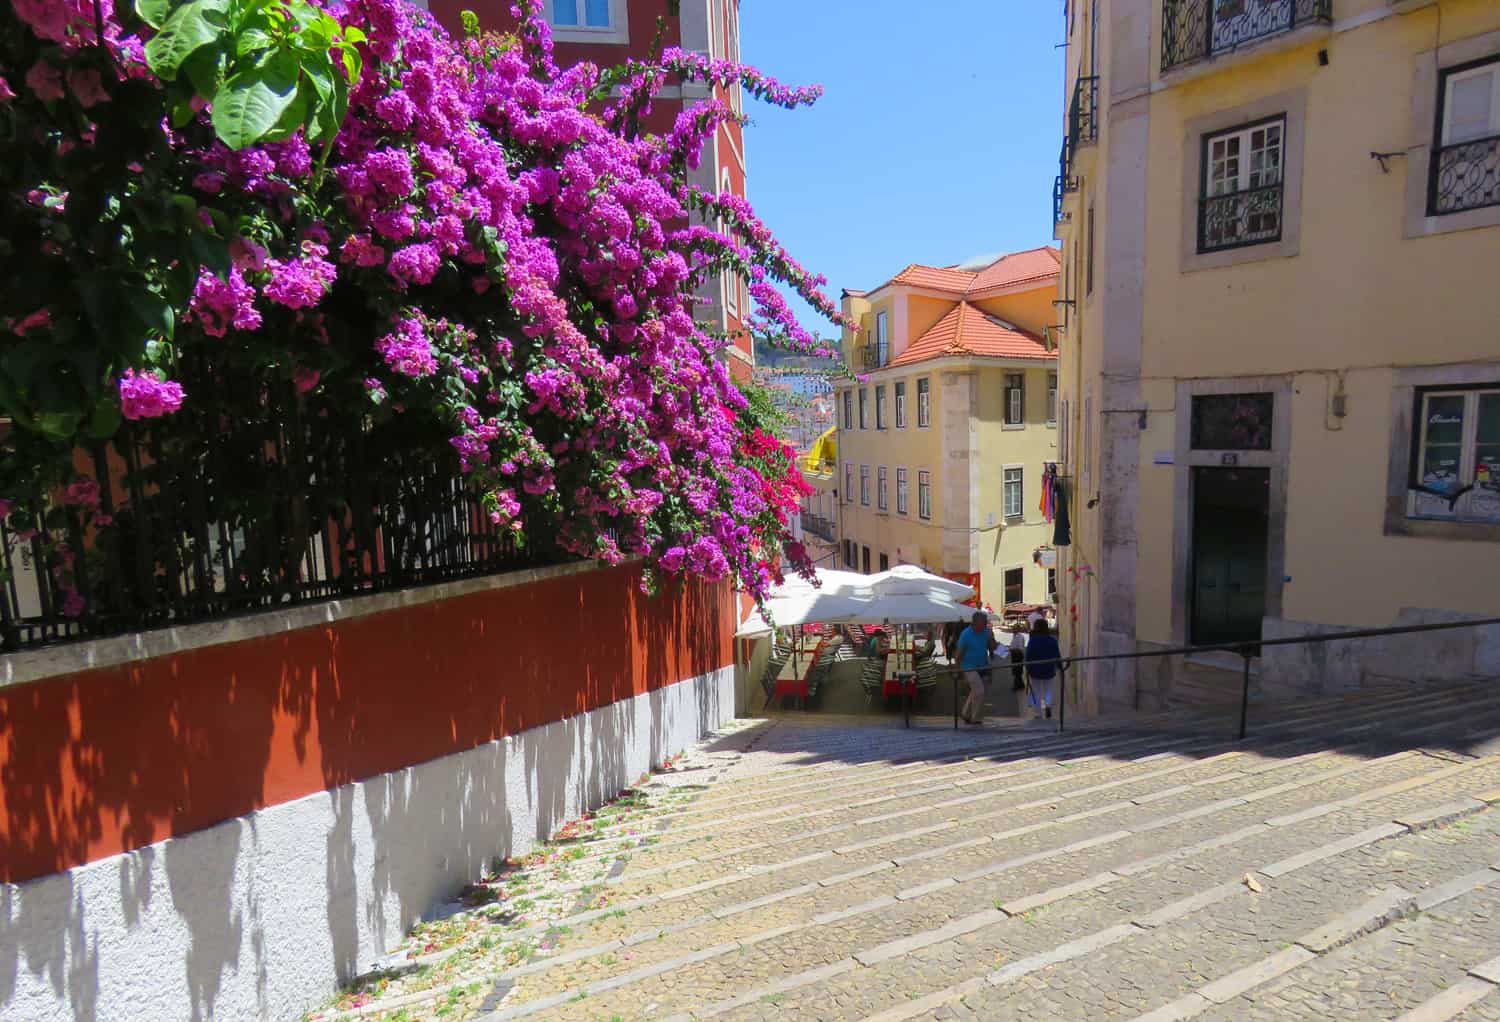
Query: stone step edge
column 892, row 949
column 1379, row 711
column 1387, row 906
column 1169, row 744
column 623, row 877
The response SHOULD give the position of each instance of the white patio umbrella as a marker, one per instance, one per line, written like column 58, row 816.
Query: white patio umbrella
column 800, row 609
column 910, row 580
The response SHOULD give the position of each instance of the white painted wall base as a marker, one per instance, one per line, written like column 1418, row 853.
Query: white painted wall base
column 262, row 917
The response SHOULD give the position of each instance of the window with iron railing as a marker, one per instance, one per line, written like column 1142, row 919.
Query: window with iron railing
column 1241, row 198
column 1194, row 29
column 1466, row 154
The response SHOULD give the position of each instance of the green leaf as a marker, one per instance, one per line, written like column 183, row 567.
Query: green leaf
column 188, row 29
column 209, row 251
column 292, row 117
column 252, row 40
column 353, row 35
column 353, row 63
column 154, row 12
column 153, row 312
column 106, row 418
column 251, row 103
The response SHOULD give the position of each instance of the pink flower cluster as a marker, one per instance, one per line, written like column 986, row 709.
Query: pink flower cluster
column 520, row 246
column 148, row 395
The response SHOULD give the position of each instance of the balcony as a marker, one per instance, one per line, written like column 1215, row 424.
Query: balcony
column 817, row 525
column 1065, row 182
column 1465, row 175
column 1083, row 112
column 874, row 356
column 1236, row 219
column 1194, row 29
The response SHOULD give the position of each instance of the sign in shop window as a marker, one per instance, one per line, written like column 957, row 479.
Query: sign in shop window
column 1456, row 455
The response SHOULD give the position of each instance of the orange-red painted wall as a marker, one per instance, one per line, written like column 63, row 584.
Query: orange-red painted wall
column 105, row 761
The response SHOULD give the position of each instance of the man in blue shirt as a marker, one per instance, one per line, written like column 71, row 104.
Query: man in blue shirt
column 975, row 644
column 1042, row 646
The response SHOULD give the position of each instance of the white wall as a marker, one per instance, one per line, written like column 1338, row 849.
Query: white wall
column 263, row 916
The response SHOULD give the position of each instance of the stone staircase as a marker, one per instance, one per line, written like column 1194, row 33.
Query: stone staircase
column 1344, row 862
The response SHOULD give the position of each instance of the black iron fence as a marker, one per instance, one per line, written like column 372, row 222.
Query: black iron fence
column 817, row 525
column 1194, row 29
column 1465, row 175
column 1083, row 112
column 210, row 521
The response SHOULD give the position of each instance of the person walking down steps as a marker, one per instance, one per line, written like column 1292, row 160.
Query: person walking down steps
column 975, row 645
column 1018, row 659
column 1041, row 648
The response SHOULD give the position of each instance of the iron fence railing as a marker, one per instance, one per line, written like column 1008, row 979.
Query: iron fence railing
column 1248, row 217
column 817, row 525
column 211, row 521
column 1465, row 176
column 874, row 355
column 1247, row 651
column 1083, row 112
column 1194, row 29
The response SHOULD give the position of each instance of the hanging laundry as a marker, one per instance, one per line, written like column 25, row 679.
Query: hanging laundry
column 1048, row 505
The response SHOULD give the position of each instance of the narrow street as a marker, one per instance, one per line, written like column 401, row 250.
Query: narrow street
column 1343, row 863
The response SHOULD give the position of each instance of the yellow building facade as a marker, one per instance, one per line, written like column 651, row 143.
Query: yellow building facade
column 1280, row 383
column 943, row 437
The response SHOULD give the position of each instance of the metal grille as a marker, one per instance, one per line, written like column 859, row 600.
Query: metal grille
column 1466, row 176
column 1249, row 217
column 1083, row 112
column 211, row 522
column 1194, row 29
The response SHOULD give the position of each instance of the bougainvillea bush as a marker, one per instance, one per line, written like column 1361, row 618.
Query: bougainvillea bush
column 252, row 211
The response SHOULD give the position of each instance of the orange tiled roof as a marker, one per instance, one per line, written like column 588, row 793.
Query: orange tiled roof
column 1034, row 264
column 935, row 278
column 968, row 330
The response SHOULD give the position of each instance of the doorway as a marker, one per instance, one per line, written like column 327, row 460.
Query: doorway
column 1231, row 518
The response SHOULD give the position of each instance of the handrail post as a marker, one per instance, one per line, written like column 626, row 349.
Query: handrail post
column 955, row 696
column 1245, row 693
column 1062, row 696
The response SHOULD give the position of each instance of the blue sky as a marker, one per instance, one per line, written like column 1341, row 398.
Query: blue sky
column 936, row 138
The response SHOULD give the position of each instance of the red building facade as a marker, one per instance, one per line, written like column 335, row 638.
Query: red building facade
column 608, row 32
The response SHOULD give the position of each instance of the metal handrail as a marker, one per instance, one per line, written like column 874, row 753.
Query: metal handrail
column 1248, row 650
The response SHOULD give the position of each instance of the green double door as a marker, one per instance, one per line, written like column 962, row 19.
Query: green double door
column 1231, row 516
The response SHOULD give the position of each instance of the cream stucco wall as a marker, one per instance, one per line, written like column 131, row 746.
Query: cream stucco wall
column 1363, row 297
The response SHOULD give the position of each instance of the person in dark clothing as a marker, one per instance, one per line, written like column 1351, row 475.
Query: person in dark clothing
column 1018, row 659
column 1041, row 648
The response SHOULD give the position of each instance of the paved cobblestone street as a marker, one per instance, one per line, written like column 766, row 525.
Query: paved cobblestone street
column 1341, row 863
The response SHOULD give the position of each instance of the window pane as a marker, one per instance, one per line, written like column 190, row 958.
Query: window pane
column 1232, row 422
column 1484, row 501
column 564, row 12
column 1442, row 448
column 597, row 12
column 1470, row 99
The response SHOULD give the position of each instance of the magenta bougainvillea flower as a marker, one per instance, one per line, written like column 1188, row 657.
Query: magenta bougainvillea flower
column 493, row 246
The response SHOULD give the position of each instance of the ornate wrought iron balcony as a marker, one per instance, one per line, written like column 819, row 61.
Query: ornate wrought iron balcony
column 1465, row 175
column 874, row 356
column 1194, row 29
column 1248, row 217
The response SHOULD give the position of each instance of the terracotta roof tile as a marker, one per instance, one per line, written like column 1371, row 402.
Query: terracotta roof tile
column 967, row 330
column 1017, row 268
column 935, row 278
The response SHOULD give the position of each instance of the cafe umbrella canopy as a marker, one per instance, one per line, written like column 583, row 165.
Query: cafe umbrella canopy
column 905, row 595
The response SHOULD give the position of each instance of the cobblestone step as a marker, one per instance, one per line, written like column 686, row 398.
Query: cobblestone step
column 797, row 871
column 1063, row 920
column 1386, row 974
column 1240, row 932
column 1437, row 716
column 881, row 931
